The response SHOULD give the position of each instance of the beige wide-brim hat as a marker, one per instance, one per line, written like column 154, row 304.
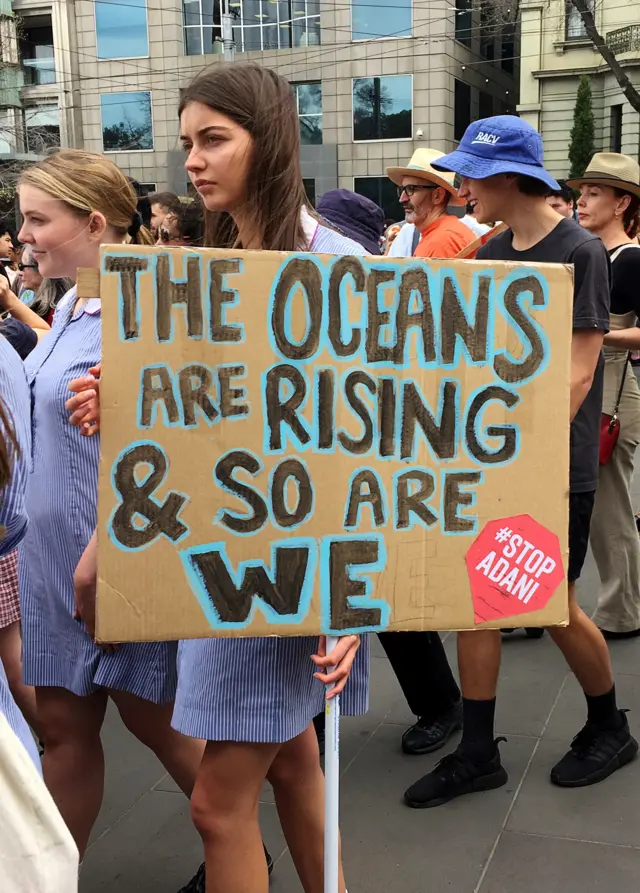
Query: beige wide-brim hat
column 611, row 169
column 420, row 166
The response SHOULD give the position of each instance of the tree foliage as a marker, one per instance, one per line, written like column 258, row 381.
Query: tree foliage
column 582, row 145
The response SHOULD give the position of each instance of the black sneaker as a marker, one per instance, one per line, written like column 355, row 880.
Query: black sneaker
column 594, row 755
column 198, row 882
column 455, row 775
column 429, row 735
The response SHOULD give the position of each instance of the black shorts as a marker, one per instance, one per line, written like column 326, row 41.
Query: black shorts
column 580, row 510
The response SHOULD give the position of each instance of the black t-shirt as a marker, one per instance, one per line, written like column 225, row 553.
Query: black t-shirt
column 569, row 243
column 625, row 280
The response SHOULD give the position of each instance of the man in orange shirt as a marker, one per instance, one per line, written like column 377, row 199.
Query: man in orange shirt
column 425, row 194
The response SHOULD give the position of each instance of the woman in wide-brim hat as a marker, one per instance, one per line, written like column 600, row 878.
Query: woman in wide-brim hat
column 609, row 206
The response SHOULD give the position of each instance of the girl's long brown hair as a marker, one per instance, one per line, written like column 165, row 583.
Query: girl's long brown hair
column 263, row 104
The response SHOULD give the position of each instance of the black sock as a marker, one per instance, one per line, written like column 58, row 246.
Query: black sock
column 477, row 731
column 602, row 710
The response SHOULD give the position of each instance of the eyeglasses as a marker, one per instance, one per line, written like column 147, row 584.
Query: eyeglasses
column 411, row 188
column 33, row 266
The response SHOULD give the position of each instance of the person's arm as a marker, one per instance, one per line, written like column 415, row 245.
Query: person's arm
column 586, row 345
column 20, row 311
column 624, row 339
column 15, row 430
column 591, row 300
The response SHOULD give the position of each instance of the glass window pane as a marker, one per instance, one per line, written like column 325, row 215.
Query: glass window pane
column 42, row 124
column 381, row 191
column 252, row 38
column 309, row 98
column 36, row 52
column 310, row 188
column 382, row 108
column 193, row 41
column 126, row 121
column 211, row 12
column 121, row 30
column 209, row 42
column 463, row 22
column 461, row 109
column 191, row 12
column 380, row 18
column 311, row 130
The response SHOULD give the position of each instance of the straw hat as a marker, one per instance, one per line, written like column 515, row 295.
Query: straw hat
column 421, row 166
column 611, row 169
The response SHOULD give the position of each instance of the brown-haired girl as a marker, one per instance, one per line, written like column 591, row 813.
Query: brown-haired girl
column 72, row 202
column 254, row 699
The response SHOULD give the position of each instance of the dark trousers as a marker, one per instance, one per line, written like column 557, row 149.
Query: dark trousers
column 422, row 669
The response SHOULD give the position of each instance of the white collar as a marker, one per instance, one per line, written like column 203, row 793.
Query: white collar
column 309, row 227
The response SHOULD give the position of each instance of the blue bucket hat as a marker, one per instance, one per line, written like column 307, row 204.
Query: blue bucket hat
column 503, row 144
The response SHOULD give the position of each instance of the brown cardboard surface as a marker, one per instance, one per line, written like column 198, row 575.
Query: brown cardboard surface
column 168, row 560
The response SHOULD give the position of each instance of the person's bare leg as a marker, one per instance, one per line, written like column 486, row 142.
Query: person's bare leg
column 585, row 649
column 151, row 725
column 11, row 657
column 298, row 786
column 479, row 654
column 73, row 763
column 224, row 809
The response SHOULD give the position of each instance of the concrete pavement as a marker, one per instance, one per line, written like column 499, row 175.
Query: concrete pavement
column 527, row 837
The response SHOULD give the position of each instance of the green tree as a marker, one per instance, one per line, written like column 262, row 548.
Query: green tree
column 582, row 146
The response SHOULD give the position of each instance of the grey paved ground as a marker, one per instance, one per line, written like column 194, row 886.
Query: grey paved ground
column 526, row 837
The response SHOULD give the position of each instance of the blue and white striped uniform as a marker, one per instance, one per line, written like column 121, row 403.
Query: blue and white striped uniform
column 262, row 689
column 14, row 393
column 62, row 492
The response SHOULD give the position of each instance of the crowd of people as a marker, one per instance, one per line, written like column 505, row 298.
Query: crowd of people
column 224, row 715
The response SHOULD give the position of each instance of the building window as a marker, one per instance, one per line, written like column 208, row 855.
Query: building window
column 36, row 51
column 371, row 19
column 485, row 107
column 42, row 128
column 121, row 29
column 310, row 188
column 464, row 22
column 508, row 50
column 615, row 141
column 149, row 187
column 126, row 122
column 381, row 191
column 382, row 108
column 461, row 109
column 258, row 24
column 574, row 26
column 309, row 104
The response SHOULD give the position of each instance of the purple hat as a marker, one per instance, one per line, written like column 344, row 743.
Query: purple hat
column 354, row 216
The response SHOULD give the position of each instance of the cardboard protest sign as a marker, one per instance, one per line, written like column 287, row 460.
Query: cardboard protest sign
column 295, row 444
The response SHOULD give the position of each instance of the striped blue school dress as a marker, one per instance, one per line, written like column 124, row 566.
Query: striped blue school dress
column 262, row 690
column 62, row 494
column 14, row 393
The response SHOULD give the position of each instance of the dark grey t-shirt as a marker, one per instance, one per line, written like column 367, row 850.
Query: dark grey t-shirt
column 568, row 243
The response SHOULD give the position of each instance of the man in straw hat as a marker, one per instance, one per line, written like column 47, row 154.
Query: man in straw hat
column 425, row 194
column 500, row 163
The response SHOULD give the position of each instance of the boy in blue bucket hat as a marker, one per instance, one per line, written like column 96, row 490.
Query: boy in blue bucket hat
column 500, row 163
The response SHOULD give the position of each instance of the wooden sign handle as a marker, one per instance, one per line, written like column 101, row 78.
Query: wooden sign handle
column 88, row 283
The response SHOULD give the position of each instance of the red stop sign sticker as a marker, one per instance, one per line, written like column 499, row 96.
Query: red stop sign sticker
column 514, row 566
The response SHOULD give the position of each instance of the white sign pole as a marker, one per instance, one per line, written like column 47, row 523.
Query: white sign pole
column 331, row 787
